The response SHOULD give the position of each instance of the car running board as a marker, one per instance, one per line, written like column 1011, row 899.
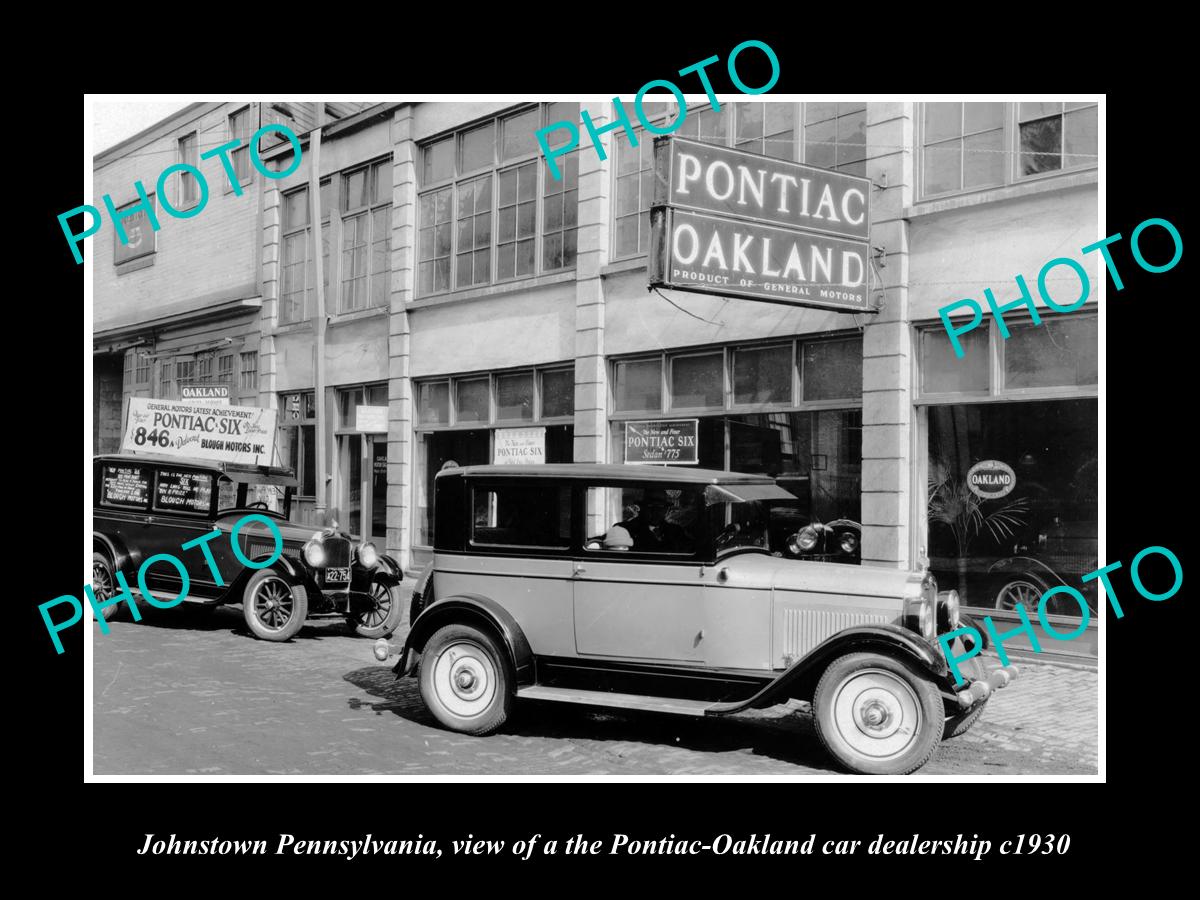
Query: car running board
column 619, row 701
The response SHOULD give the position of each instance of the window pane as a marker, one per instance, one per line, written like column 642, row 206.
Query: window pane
column 1079, row 138
column 944, row 373
column 525, row 256
column 478, row 148
column 639, row 385
column 1037, row 110
column 473, row 400
column 820, row 142
column 295, row 209
column 983, row 159
column 763, row 375
column 354, row 190
column 1053, row 354
column 560, row 112
column 698, row 381
column 514, row 396
column 942, row 120
column 383, row 182
column 518, row 134
column 433, row 404
column 749, row 123
column 942, row 167
column 832, row 370
column 816, row 112
column 308, row 480
column 1041, row 145
column 439, row 161
column 852, row 137
column 558, row 393
column 627, row 235
column 522, row 515
column 982, row 116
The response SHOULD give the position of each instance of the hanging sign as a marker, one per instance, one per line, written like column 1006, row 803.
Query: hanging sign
column 237, row 434
column 991, row 479
column 662, row 441
column 519, row 446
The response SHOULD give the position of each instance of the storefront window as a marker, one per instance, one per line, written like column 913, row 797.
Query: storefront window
column 762, row 375
column 697, row 381
column 944, row 373
column 832, row 369
column 441, row 438
column 1051, row 354
column 638, row 385
column 1013, row 501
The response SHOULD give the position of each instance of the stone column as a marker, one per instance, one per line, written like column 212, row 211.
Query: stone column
column 591, row 378
column 888, row 417
column 271, row 269
column 400, row 414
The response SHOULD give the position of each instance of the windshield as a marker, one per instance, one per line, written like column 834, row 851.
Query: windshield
column 243, row 495
column 758, row 524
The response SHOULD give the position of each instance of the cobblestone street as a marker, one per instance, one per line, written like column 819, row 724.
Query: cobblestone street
column 190, row 692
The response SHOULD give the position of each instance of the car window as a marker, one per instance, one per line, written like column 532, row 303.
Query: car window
column 127, row 487
column 522, row 515
column 227, row 490
column 648, row 519
column 176, row 490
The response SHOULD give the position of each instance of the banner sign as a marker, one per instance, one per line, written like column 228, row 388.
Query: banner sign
column 741, row 185
column 991, row 479
column 371, row 419
column 207, row 394
column 737, row 224
column 237, row 434
column 520, row 446
column 709, row 255
column 662, row 441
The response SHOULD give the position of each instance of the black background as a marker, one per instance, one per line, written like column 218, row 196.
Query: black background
column 1147, row 402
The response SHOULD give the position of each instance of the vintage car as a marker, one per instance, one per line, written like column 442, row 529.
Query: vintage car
column 662, row 589
column 145, row 505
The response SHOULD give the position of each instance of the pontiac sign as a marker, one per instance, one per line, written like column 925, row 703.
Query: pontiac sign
column 733, row 223
column 662, row 441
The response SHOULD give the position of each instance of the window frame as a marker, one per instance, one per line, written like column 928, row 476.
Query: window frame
column 375, row 203
column 996, row 391
column 299, row 425
column 459, row 176
column 493, row 420
column 477, row 486
column 243, row 371
column 1010, row 143
column 243, row 150
column 183, row 200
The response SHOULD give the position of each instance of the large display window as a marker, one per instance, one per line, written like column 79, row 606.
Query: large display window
column 789, row 409
column 460, row 420
column 1011, row 443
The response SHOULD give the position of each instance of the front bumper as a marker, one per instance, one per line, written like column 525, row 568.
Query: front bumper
column 976, row 690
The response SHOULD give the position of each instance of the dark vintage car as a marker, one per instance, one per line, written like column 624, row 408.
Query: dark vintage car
column 145, row 505
column 666, row 590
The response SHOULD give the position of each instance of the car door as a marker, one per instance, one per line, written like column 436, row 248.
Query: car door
column 181, row 510
column 642, row 602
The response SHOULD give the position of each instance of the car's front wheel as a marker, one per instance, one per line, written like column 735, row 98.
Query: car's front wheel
column 465, row 681
column 382, row 617
column 104, row 584
column 274, row 610
column 877, row 715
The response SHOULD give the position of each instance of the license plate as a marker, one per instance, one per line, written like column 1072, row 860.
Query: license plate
column 337, row 575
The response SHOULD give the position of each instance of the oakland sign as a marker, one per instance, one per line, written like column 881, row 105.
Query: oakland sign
column 733, row 223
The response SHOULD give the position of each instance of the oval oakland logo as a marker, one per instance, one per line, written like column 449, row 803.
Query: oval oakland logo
column 991, row 479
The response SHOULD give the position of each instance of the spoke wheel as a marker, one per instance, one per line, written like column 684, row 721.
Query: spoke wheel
column 274, row 610
column 465, row 680
column 383, row 617
column 877, row 715
column 104, row 584
column 1023, row 591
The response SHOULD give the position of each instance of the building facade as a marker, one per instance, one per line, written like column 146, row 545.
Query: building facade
column 472, row 295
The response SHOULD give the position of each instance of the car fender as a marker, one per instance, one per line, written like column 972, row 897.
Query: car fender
column 471, row 609
column 115, row 549
column 387, row 571
column 800, row 679
column 293, row 573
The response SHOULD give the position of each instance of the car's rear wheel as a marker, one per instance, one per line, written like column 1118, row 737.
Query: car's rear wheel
column 465, row 681
column 383, row 617
column 104, row 584
column 877, row 715
column 274, row 610
column 1025, row 591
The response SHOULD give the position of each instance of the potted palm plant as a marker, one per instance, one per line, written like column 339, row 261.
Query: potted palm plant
column 953, row 504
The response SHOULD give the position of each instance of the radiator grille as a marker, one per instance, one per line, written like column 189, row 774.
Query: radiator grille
column 337, row 551
column 803, row 629
column 259, row 547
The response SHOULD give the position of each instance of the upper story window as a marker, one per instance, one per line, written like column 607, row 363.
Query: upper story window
column 189, row 188
column 225, row 369
column 833, row 136
column 250, row 371
column 972, row 146
column 298, row 272
column 366, row 236
column 488, row 211
column 239, row 129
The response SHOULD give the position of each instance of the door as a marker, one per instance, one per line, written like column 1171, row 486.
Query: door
column 638, row 587
column 376, row 489
column 181, row 510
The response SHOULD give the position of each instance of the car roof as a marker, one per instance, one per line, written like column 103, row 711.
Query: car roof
column 280, row 475
column 610, row 471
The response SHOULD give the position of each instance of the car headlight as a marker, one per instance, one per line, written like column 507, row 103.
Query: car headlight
column 368, row 555
column 919, row 615
column 314, row 552
column 950, row 609
column 803, row 541
column 849, row 542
